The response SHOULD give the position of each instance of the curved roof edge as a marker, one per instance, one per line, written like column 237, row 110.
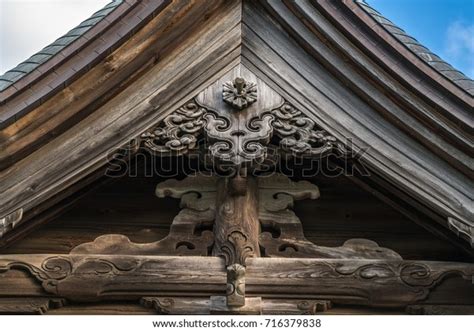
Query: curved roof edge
column 15, row 74
column 443, row 67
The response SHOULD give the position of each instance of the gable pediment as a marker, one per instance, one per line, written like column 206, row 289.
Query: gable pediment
column 314, row 64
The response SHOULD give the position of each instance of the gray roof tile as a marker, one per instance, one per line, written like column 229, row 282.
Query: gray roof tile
column 13, row 75
column 421, row 51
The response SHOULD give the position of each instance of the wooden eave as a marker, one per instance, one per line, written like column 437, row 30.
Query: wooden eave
column 327, row 58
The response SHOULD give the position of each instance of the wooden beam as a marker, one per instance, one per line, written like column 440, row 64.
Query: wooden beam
column 373, row 283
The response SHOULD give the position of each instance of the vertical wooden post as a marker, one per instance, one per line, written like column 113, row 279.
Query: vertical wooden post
column 236, row 231
column 236, row 227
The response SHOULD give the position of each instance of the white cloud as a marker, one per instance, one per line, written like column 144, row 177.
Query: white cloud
column 27, row 26
column 460, row 45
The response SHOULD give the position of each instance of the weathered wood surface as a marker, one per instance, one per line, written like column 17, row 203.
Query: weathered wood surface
column 236, row 217
column 440, row 310
column 25, row 305
column 190, row 232
column 375, row 283
column 127, row 206
column 377, row 121
column 237, row 226
column 163, row 93
column 310, row 62
column 205, row 306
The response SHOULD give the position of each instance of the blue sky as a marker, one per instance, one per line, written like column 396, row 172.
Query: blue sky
column 446, row 27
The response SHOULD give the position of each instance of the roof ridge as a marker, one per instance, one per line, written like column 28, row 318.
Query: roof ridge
column 25, row 67
column 421, row 51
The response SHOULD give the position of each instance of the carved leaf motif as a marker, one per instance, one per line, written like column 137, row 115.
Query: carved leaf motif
column 237, row 248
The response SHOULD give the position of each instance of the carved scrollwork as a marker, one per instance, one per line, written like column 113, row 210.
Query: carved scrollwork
column 241, row 140
column 52, row 270
column 179, row 132
column 106, row 277
column 282, row 233
column 300, row 136
column 230, row 143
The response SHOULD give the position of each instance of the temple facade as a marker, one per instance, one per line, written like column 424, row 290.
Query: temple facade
column 236, row 157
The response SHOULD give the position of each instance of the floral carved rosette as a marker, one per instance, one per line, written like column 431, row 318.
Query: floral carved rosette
column 239, row 93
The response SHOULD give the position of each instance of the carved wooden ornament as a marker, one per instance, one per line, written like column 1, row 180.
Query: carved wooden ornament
column 240, row 139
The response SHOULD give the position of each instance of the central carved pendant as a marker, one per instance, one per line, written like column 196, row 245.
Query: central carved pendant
column 239, row 93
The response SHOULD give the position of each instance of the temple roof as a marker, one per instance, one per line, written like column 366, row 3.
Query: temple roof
column 421, row 51
column 338, row 62
column 34, row 61
column 27, row 66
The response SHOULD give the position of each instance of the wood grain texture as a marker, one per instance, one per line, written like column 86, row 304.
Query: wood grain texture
column 298, row 50
column 373, row 283
column 128, row 206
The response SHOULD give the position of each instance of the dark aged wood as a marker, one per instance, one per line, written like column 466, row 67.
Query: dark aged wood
column 386, row 144
column 29, row 305
column 231, row 82
column 282, row 233
column 236, row 218
column 189, row 232
column 236, row 230
column 236, row 226
column 384, row 283
column 185, row 306
column 285, row 52
column 238, row 135
column 235, row 292
column 128, row 206
column 440, row 310
column 119, row 110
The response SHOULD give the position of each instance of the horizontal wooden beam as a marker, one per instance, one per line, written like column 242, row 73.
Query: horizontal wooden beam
column 369, row 282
